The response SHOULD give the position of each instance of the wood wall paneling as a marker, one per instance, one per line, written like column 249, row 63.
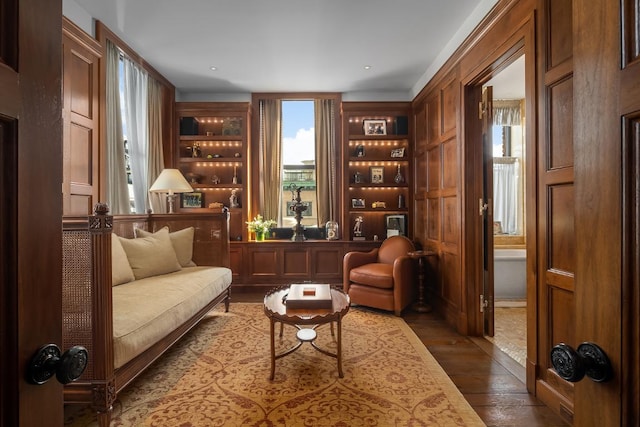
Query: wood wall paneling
column 559, row 32
column 449, row 106
column 631, row 267
column 561, row 229
column 560, row 151
column 326, row 263
column 450, row 169
column 81, row 149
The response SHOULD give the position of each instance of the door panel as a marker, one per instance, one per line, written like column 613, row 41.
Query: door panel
column 485, row 207
column 31, row 178
column 556, row 207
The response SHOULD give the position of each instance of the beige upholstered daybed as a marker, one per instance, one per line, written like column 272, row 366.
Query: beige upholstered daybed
column 129, row 295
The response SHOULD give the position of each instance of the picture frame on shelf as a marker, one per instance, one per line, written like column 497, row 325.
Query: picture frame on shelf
column 397, row 153
column 358, row 203
column 396, row 225
column 374, row 126
column 192, row 200
column 376, row 174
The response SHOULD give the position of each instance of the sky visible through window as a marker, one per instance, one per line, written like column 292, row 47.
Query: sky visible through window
column 297, row 132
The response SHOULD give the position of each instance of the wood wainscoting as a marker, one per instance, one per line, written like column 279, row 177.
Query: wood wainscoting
column 279, row 262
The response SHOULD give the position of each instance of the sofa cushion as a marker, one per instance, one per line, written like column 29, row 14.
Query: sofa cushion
column 182, row 241
column 144, row 311
column 377, row 275
column 121, row 271
column 151, row 255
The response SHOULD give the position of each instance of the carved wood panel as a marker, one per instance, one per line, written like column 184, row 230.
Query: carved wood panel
column 81, row 150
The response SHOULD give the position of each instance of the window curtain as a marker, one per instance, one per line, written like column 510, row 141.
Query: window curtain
column 507, row 112
column 157, row 201
column 135, row 118
column 506, row 194
column 325, row 160
column 270, row 141
column 116, row 169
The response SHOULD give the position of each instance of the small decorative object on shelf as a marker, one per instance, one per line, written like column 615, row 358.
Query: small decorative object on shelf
column 398, row 179
column 332, row 230
column 357, row 229
column 360, row 150
column 379, row 205
column 234, row 201
column 377, row 174
column 193, row 178
column 397, row 152
column 215, row 179
column 260, row 226
column 234, row 180
column 401, row 203
column 196, row 151
column 358, row 178
column 358, row 203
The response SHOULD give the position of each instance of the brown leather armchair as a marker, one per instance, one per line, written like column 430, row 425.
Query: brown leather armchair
column 383, row 277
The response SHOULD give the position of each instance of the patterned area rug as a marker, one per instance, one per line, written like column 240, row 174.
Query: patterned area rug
column 218, row 375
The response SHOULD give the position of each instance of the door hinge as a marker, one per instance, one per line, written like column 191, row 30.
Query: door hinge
column 483, row 303
column 482, row 207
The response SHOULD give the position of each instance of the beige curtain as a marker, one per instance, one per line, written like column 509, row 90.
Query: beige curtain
column 507, row 112
column 157, row 201
column 325, row 160
column 116, row 173
column 270, row 157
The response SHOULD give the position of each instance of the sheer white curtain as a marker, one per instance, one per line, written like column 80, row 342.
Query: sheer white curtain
column 116, row 173
column 135, row 116
column 506, row 203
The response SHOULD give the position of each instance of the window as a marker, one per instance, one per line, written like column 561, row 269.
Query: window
column 298, row 161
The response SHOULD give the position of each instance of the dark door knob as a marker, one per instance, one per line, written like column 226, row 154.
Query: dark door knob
column 48, row 361
column 589, row 359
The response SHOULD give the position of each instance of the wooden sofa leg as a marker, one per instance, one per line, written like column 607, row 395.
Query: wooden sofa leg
column 104, row 418
column 227, row 300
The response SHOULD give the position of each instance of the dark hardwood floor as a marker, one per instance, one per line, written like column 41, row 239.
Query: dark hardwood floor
column 492, row 382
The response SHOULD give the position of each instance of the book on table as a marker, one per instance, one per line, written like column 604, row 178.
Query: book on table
column 309, row 295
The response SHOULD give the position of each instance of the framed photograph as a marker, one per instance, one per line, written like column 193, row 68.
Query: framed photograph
column 396, row 225
column 357, row 203
column 376, row 174
column 398, row 152
column 374, row 127
column 192, row 200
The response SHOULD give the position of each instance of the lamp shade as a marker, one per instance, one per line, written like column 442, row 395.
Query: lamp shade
column 171, row 181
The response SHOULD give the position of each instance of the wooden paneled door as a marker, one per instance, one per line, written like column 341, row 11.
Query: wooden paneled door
column 31, row 205
column 588, row 204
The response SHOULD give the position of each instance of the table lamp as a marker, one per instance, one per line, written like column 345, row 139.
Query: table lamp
column 171, row 181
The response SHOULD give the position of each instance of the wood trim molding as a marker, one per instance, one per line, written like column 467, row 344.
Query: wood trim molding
column 103, row 33
column 71, row 30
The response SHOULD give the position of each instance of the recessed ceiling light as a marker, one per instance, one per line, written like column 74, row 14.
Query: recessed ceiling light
column 367, row 67
column 212, row 68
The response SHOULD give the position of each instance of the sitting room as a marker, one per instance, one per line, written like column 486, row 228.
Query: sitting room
column 329, row 214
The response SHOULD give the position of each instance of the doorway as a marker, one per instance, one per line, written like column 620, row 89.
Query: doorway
column 506, row 195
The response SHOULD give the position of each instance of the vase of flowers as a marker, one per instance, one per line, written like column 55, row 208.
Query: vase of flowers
column 260, row 227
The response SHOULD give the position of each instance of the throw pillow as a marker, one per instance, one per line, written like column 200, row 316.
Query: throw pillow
column 182, row 241
column 151, row 255
column 121, row 271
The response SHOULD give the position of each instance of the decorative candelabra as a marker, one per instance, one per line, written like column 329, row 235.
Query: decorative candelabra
column 298, row 207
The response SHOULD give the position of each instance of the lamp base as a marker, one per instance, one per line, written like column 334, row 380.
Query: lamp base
column 171, row 201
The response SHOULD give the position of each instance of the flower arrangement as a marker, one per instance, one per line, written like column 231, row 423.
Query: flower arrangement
column 260, row 225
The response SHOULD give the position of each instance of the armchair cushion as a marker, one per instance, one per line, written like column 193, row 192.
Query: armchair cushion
column 377, row 275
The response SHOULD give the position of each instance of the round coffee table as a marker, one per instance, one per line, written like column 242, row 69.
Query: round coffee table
column 276, row 310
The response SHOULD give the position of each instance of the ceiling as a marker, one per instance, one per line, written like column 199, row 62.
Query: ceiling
column 291, row 45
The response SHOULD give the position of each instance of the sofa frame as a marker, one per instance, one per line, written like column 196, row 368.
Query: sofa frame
column 87, row 299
